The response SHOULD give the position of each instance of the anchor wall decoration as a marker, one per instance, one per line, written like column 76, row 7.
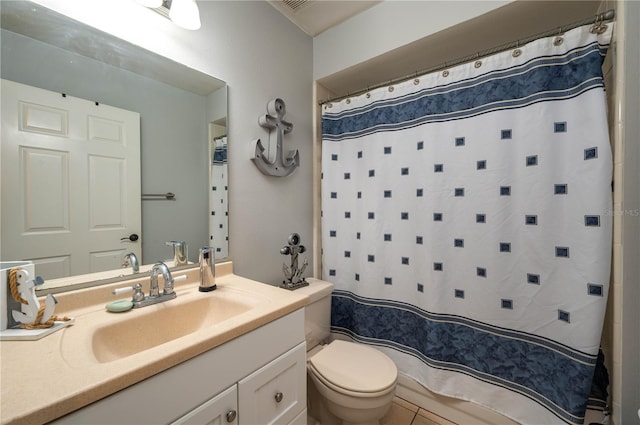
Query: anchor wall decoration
column 281, row 166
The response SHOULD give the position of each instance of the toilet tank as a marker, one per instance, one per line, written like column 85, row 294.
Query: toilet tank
column 317, row 314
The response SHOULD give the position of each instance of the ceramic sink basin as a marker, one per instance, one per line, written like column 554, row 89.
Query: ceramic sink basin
column 165, row 323
column 120, row 335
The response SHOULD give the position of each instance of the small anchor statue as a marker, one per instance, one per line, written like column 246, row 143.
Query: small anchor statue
column 293, row 273
column 28, row 314
column 280, row 166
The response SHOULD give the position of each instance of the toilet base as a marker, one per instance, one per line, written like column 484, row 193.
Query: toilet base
column 317, row 407
column 330, row 413
column 351, row 414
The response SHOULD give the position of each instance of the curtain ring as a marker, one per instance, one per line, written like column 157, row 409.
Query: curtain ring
column 601, row 28
column 558, row 41
column 445, row 73
column 516, row 53
column 390, row 87
column 598, row 26
column 478, row 64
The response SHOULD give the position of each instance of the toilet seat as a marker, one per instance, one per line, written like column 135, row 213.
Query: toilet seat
column 354, row 369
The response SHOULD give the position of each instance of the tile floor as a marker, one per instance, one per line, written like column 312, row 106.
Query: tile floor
column 404, row 413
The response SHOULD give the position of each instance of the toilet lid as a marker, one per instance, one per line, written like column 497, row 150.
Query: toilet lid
column 355, row 367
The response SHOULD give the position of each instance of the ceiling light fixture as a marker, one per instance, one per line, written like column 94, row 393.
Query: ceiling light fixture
column 150, row 3
column 183, row 13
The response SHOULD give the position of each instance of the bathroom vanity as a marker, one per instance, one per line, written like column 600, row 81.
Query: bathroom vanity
column 235, row 355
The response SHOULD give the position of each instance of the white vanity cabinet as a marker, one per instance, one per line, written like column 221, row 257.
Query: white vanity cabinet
column 275, row 393
column 261, row 376
column 222, row 409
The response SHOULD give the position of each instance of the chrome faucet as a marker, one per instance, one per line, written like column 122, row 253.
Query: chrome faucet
column 154, row 297
column 154, row 291
column 130, row 260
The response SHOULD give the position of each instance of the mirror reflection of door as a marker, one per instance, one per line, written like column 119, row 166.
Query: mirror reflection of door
column 70, row 182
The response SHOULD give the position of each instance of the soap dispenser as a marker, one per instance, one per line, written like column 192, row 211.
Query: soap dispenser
column 207, row 269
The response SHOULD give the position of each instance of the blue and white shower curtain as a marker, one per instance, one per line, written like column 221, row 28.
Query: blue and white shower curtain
column 466, row 225
column 218, row 200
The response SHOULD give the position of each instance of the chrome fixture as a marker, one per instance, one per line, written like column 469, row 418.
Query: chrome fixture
column 179, row 252
column 154, row 291
column 207, row 270
column 169, row 196
column 183, row 13
column 130, row 260
column 293, row 274
column 140, row 300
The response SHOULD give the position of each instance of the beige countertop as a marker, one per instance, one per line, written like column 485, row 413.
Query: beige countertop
column 48, row 378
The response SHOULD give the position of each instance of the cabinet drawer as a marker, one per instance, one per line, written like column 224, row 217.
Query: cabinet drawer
column 220, row 410
column 277, row 392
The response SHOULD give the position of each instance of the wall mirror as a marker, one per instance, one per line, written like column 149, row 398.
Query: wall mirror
column 182, row 131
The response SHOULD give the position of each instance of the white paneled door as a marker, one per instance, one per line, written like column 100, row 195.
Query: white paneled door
column 70, row 182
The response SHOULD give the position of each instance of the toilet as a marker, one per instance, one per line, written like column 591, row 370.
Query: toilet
column 349, row 383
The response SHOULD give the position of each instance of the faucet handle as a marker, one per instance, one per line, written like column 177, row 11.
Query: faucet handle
column 168, row 285
column 138, row 295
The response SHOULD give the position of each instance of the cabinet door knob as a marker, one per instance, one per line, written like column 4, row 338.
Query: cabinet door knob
column 279, row 397
column 231, row 415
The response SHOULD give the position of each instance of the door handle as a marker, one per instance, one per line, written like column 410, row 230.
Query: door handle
column 132, row 237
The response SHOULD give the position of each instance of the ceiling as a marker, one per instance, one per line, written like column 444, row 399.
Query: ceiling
column 516, row 20
column 315, row 16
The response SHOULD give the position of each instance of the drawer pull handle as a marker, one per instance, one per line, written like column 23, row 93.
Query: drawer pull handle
column 279, row 397
column 231, row 415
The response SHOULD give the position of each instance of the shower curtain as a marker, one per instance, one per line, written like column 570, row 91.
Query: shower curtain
column 218, row 202
column 466, row 224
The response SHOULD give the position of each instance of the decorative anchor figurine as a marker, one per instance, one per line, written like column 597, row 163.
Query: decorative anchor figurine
column 32, row 315
column 293, row 273
column 280, row 166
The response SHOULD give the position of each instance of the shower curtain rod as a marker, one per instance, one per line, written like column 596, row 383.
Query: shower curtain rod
column 597, row 20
